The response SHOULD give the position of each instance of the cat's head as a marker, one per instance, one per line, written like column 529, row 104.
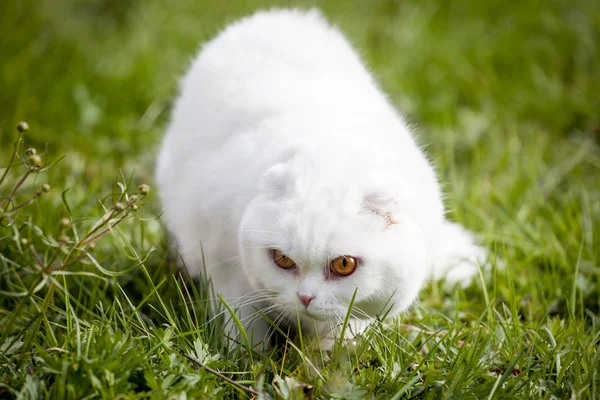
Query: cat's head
column 313, row 240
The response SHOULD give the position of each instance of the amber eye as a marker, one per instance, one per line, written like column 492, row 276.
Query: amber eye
column 344, row 265
column 282, row 260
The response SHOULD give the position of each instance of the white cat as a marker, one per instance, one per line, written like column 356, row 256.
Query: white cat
column 288, row 169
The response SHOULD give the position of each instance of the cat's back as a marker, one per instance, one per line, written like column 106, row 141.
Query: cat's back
column 264, row 81
column 280, row 46
column 299, row 38
column 265, row 64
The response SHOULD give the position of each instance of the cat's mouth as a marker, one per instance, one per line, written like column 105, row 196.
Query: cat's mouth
column 317, row 314
column 312, row 315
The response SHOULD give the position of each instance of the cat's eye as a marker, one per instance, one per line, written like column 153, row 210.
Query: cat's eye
column 344, row 265
column 282, row 260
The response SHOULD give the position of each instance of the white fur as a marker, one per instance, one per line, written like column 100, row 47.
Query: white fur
column 281, row 139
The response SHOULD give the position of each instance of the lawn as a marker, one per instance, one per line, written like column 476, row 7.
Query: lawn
column 507, row 98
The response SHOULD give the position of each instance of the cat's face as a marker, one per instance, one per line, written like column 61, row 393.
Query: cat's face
column 312, row 247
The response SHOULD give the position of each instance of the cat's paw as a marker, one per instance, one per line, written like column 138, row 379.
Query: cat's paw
column 353, row 330
column 459, row 257
column 328, row 343
column 325, row 343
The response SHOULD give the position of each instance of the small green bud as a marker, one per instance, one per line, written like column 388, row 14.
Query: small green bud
column 143, row 189
column 35, row 160
column 46, row 188
column 24, row 241
column 64, row 239
column 65, row 223
column 23, row 127
column 91, row 246
column 119, row 206
column 133, row 199
column 134, row 207
column 30, row 151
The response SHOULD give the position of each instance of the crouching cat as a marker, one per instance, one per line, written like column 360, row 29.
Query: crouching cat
column 290, row 174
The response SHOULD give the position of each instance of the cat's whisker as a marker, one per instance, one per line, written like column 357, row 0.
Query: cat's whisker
column 277, row 321
column 236, row 306
column 261, row 314
column 252, row 298
column 279, row 318
column 266, row 309
column 258, row 313
column 358, row 311
column 236, row 302
column 249, row 294
column 221, row 262
column 255, row 294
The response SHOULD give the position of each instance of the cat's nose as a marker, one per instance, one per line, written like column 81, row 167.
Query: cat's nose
column 305, row 299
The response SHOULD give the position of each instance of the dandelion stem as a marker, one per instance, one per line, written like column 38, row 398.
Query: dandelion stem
column 12, row 159
column 17, row 186
column 31, row 200
column 109, row 228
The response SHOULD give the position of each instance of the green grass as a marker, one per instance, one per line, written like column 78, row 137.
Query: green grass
column 507, row 98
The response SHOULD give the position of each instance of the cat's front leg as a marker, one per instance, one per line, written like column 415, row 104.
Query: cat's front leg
column 328, row 336
column 247, row 304
column 256, row 327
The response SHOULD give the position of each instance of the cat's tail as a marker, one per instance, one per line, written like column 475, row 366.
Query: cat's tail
column 458, row 257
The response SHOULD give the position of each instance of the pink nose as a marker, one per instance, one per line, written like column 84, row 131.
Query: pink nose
column 305, row 300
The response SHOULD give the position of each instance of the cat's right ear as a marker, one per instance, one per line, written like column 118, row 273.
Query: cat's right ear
column 277, row 180
column 381, row 205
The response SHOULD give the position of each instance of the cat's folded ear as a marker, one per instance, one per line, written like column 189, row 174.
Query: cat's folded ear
column 381, row 205
column 277, row 180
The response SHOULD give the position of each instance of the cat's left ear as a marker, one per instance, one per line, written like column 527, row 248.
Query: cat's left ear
column 277, row 180
column 382, row 206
